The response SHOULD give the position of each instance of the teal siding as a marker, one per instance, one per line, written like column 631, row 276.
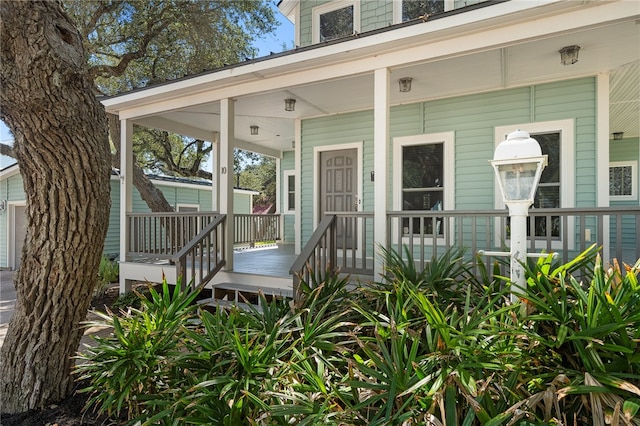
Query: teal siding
column 242, row 204
column 11, row 189
column 473, row 119
column 287, row 163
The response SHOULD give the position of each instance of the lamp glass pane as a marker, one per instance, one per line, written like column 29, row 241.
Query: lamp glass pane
column 517, row 180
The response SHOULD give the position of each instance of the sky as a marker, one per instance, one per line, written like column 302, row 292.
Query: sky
column 270, row 43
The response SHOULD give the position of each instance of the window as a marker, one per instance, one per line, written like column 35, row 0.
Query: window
column 290, row 191
column 187, row 208
column 412, row 9
column 423, row 172
column 556, row 188
column 406, row 10
column 623, row 180
column 335, row 20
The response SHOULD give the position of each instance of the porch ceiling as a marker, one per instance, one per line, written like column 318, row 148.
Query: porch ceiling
column 614, row 48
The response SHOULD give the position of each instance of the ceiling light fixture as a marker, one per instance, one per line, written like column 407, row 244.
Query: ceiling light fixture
column 617, row 136
column 569, row 54
column 405, row 84
column 289, row 104
column 254, row 130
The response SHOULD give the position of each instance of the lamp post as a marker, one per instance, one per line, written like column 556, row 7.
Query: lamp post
column 518, row 163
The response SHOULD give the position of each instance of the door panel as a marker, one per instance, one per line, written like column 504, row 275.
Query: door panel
column 338, row 184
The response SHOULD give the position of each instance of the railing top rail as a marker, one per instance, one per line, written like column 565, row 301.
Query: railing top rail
column 256, row 215
column 308, row 249
column 555, row 211
column 351, row 214
column 173, row 214
column 198, row 238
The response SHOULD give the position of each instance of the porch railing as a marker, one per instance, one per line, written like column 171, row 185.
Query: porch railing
column 199, row 260
column 251, row 228
column 566, row 231
column 162, row 235
column 342, row 242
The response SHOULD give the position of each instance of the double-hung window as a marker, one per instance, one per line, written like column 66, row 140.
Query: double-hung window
column 289, row 191
column 406, row 10
column 335, row 19
column 556, row 188
column 423, row 172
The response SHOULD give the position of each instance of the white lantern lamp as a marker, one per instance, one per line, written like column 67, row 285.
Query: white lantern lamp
column 518, row 163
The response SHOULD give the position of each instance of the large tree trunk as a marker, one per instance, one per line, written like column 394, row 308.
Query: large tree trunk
column 62, row 150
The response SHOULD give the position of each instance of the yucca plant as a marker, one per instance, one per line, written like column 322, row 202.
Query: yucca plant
column 136, row 362
column 588, row 332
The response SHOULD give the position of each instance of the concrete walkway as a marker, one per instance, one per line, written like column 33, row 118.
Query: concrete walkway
column 7, row 301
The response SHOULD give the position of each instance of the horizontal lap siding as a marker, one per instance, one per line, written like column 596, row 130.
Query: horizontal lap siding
column 334, row 130
column 11, row 189
column 473, row 119
column 574, row 99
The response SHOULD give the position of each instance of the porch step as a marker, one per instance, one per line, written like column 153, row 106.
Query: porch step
column 229, row 294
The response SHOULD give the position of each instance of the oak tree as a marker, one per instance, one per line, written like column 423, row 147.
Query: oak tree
column 62, row 148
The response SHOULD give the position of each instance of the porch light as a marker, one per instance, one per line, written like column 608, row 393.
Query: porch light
column 254, row 130
column 617, row 136
column 569, row 54
column 405, row 84
column 289, row 104
column 518, row 163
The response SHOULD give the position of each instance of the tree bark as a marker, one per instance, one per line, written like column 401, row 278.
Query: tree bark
column 62, row 149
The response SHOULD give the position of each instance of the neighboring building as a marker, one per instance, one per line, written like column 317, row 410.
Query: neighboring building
column 185, row 195
column 387, row 109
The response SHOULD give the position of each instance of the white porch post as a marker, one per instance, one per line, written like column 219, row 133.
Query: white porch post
column 126, row 194
column 380, row 138
column 225, row 173
column 297, row 158
column 215, row 173
column 602, row 157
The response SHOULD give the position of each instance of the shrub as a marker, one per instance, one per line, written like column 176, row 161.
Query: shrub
column 108, row 272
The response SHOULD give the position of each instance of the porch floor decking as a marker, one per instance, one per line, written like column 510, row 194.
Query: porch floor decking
column 271, row 261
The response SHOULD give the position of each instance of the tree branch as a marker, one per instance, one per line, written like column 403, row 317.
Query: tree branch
column 6, row 150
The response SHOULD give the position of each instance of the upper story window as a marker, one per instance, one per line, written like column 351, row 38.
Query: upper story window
column 412, row 9
column 406, row 10
column 335, row 19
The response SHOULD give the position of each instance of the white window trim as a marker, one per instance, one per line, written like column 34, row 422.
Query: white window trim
column 397, row 9
column 449, row 193
column 187, row 205
column 317, row 11
column 634, row 180
column 285, row 177
column 567, row 172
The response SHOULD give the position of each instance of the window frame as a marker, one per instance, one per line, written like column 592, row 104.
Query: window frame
column 447, row 139
column 566, row 128
column 286, row 208
column 189, row 206
column 397, row 9
column 331, row 6
column 634, row 180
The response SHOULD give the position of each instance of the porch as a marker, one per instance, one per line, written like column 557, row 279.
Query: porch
column 193, row 244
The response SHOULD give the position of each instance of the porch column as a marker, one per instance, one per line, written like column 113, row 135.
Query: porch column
column 380, row 138
column 225, row 173
column 297, row 177
column 126, row 194
column 215, row 176
column 602, row 157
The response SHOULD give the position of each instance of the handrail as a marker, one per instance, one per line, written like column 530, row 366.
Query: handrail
column 205, row 253
column 256, row 228
column 317, row 256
